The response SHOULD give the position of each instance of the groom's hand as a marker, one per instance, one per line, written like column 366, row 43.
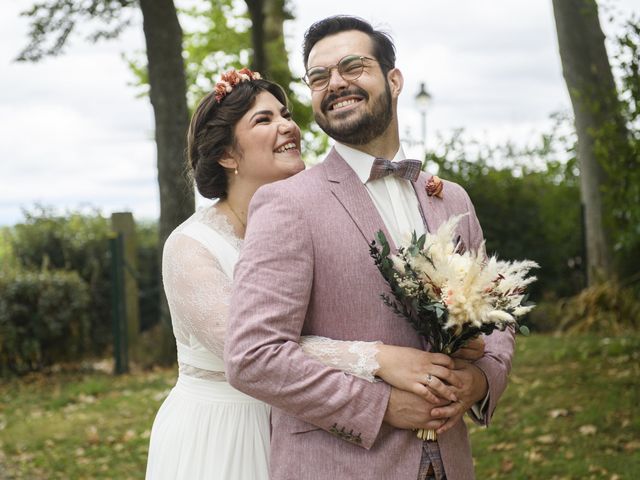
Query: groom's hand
column 474, row 389
column 408, row 411
column 429, row 375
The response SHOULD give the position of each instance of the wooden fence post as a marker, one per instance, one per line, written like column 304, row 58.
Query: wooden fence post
column 123, row 223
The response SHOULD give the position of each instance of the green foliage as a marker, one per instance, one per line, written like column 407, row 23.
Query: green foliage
column 74, row 242
column 79, row 242
column 7, row 257
column 528, row 203
column 216, row 38
column 44, row 318
column 618, row 156
column 52, row 22
column 148, row 273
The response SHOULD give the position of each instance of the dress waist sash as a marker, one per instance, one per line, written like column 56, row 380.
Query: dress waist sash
column 201, row 359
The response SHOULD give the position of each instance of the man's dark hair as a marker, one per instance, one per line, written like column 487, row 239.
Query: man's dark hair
column 383, row 49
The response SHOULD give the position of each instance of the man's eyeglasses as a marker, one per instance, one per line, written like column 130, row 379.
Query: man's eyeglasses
column 349, row 68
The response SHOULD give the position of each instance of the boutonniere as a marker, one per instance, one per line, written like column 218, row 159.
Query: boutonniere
column 434, row 187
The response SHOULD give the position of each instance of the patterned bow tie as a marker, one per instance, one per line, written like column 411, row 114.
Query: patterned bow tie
column 409, row 169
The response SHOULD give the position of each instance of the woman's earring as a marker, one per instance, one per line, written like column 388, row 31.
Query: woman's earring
column 236, row 171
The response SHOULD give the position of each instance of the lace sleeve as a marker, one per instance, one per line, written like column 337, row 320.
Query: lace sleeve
column 354, row 358
column 198, row 292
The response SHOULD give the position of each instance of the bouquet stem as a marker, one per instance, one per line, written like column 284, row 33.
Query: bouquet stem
column 427, row 434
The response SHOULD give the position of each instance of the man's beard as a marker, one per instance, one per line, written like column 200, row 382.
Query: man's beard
column 365, row 128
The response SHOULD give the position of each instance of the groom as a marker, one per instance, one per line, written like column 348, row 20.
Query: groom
column 305, row 269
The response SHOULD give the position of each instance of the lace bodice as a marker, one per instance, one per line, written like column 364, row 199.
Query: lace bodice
column 197, row 267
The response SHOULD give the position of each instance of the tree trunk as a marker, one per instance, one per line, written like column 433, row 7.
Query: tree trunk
column 167, row 92
column 589, row 79
column 256, row 13
column 267, row 36
column 276, row 51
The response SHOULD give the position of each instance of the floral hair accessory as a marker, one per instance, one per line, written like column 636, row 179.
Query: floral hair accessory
column 232, row 78
column 434, row 186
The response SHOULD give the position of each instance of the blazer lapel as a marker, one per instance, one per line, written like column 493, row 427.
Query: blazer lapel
column 433, row 210
column 354, row 198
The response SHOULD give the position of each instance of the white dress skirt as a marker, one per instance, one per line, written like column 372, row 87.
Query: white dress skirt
column 209, row 430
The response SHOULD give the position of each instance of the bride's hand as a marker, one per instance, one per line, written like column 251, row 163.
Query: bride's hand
column 473, row 350
column 430, row 375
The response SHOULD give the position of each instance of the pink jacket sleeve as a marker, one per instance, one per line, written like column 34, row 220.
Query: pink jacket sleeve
column 273, row 282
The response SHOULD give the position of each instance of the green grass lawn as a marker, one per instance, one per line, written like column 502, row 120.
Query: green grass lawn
column 570, row 412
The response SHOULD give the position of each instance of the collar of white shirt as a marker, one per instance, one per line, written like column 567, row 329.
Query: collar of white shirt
column 361, row 162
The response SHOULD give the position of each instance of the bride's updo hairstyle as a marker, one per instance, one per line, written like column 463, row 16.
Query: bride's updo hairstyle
column 211, row 131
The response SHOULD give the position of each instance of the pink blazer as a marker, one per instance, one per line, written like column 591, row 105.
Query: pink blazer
column 305, row 269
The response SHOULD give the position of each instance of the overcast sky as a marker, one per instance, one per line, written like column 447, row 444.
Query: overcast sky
column 74, row 135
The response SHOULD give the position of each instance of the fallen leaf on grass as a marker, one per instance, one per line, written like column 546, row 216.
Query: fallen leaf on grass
column 24, row 457
column 546, row 439
column 128, row 435
column 506, row 466
column 82, row 398
column 588, row 429
column 569, row 455
column 502, row 446
column 161, row 395
column 597, row 469
column 632, row 446
column 618, row 373
column 93, row 436
column 533, row 456
column 559, row 412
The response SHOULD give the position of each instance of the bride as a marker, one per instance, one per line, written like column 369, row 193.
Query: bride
column 241, row 137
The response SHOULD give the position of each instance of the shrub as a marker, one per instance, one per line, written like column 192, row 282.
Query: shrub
column 79, row 242
column 607, row 308
column 74, row 242
column 44, row 318
column 148, row 273
column 528, row 204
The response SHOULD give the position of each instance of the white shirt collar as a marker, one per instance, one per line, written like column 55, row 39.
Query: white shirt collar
column 361, row 162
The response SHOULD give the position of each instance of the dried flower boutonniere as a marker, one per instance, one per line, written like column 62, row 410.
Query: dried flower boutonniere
column 434, row 187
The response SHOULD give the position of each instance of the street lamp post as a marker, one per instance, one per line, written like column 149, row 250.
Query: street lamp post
column 422, row 100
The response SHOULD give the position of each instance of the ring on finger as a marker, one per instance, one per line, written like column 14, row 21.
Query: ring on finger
column 429, row 378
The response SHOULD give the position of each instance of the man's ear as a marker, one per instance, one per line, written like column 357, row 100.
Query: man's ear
column 396, row 81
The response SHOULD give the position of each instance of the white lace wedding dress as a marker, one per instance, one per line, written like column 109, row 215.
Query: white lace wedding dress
column 205, row 429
